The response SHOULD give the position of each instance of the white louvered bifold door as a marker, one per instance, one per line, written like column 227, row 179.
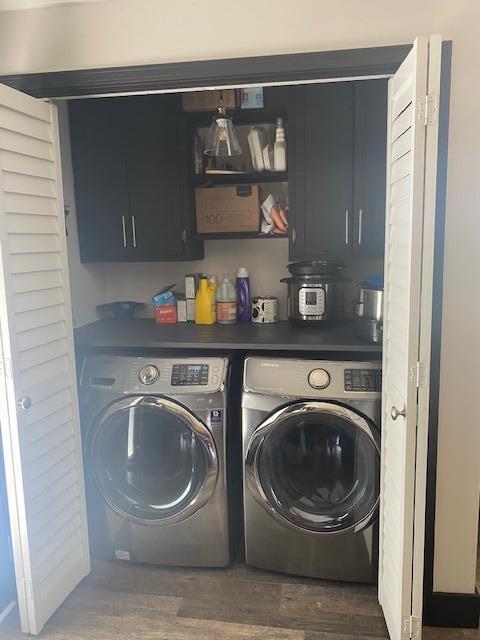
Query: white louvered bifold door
column 38, row 394
column 409, row 241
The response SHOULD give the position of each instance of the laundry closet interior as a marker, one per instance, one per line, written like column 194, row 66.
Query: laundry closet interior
column 257, row 474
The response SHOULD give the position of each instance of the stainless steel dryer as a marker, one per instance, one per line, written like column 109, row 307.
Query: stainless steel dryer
column 155, row 447
column 312, row 466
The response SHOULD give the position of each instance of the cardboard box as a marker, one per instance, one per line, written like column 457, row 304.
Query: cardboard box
column 190, row 310
column 181, row 310
column 166, row 315
column 191, row 285
column 228, row 209
column 208, row 100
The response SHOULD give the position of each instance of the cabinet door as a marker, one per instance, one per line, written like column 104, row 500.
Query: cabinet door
column 100, row 176
column 370, row 167
column 321, row 169
column 154, row 157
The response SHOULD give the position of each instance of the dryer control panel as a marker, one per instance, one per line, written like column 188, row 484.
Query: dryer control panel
column 291, row 377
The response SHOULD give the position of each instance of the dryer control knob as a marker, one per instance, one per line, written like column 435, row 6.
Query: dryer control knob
column 148, row 374
column 319, row 378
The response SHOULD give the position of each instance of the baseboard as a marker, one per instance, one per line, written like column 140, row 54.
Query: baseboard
column 459, row 610
column 8, row 609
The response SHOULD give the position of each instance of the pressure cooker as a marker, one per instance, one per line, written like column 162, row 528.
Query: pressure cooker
column 315, row 292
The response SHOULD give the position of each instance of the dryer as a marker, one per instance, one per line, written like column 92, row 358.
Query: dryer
column 154, row 450
column 311, row 461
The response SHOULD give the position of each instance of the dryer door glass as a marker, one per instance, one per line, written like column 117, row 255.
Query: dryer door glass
column 318, row 467
column 153, row 460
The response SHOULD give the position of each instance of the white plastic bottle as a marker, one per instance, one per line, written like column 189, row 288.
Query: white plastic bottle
column 226, row 302
column 280, row 148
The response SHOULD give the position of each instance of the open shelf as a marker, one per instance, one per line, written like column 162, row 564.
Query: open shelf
column 242, row 236
column 239, row 178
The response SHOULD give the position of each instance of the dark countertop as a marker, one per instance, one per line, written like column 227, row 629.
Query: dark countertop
column 279, row 336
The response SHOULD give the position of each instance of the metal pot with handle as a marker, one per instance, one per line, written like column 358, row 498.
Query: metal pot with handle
column 370, row 302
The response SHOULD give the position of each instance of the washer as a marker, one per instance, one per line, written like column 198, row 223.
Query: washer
column 312, row 466
column 155, row 445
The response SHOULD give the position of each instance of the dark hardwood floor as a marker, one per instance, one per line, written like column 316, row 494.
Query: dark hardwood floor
column 128, row 601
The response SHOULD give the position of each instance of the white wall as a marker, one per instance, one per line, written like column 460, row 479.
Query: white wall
column 265, row 259
column 121, row 32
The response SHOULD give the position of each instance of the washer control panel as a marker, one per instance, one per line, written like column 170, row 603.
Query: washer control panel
column 319, row 379
column 186, row 374
column 363, row 379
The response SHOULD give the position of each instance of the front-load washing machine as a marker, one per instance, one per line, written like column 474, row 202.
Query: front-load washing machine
column 155, row 445
column 311, row 461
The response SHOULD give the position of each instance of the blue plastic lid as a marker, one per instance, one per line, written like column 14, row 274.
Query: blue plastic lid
column 374, row 281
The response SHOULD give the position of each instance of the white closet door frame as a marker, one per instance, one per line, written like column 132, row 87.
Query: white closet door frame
column 402, row 513
column 34, row 280
column 426, row 309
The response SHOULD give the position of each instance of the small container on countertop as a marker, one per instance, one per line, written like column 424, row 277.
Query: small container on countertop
column 264, row 309
column 166, row 314
column 226, row 302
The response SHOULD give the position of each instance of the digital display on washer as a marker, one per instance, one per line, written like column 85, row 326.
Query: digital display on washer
column 311, row 297
column 363, row 379
column 185, row 375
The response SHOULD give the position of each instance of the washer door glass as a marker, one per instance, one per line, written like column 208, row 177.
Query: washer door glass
column 153, row 460
column 317, row 465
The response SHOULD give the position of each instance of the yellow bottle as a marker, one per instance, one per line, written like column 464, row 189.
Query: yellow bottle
column 204, row 302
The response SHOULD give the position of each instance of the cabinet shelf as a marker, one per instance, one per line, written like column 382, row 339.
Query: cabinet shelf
column 243, row 236
column 240, row 117
column 239, row 178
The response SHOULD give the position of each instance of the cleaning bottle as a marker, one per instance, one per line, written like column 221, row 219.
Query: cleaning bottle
column 226, row 302
column 203, row 302
column 280, row 148
column 244, row 304
column 213, row 282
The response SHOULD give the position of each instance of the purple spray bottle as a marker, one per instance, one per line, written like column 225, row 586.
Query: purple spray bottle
column 243, row 295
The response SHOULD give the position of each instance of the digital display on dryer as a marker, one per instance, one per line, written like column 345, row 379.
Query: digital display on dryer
column 186, row 375
column 363, row 379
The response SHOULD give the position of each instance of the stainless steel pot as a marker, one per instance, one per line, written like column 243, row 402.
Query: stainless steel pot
column 316, row 299
column 369, row 330
column 370, row 303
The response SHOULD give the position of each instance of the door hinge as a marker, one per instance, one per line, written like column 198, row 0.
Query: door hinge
column 429, row 109
column 412, row 627
column 6, row 368
column 28, row 588
column 419, row 375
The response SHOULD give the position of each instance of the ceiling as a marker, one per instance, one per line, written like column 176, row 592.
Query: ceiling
column 15, row 5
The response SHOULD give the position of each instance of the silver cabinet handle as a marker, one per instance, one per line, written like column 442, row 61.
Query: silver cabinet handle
column 347, row 214
column 24, row 403
column 294, row 236
column 124, row 233
column 134, row 232
column 395, row 413
column 184, row 236
column 360, row 225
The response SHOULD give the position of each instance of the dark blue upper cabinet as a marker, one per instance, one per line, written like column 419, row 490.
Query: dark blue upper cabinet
column 370, row 167
column 337, row 148
column 133, row 197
